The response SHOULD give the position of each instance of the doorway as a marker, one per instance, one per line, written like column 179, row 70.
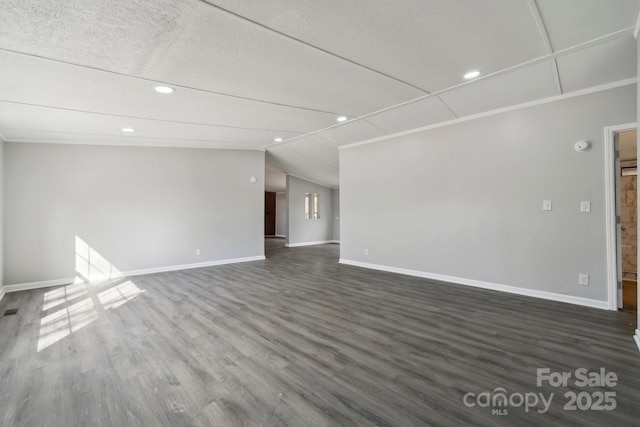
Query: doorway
column 269, row 213
column 628, row 212
column 621, row 212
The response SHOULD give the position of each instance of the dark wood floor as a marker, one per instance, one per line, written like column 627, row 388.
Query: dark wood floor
column 299, row 340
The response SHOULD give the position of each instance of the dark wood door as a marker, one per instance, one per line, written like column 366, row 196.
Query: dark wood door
column 269, row 214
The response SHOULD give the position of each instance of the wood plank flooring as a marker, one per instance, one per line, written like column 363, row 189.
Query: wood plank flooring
column 630, row 294
column 299, row 340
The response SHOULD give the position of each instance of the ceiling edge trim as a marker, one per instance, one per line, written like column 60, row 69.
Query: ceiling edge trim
column 150, row 119
column 543, row 101
column 128, row 144
column 308, row 157
column 310, row 180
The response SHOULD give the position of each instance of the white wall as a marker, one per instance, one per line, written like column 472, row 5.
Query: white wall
column 464, row 202
column 336, row 214
column 139, row 208
column 1, row 217
column 281, row 214
column 302, row 231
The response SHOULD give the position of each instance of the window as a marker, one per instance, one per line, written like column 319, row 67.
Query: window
column 307, row 206
column 316, row 209
column 311, row 206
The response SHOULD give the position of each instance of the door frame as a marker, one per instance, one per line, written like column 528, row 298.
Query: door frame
column 610, row 209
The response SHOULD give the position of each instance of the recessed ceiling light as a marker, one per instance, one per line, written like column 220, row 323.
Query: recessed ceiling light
column 472, row 74
column 128, row 130
column 342, row 119
column 164, row 89
column 278, row 139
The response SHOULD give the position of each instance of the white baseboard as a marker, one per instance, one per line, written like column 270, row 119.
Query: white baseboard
column 636, row 337
column 37, row 285
column 2, row 292
column 60, row 282
column 189, row 266
column 587, row 302
column 284, row 236
column 320, row 242
column 336, row 241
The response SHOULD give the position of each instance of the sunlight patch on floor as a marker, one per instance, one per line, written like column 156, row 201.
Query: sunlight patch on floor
column 64, row 322
column 71, row 317
column 118, row 295
column 62, row 295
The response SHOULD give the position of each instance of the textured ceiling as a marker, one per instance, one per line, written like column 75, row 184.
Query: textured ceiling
column 247, row 72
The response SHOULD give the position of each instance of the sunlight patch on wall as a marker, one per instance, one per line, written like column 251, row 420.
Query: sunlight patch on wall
column 91, row 265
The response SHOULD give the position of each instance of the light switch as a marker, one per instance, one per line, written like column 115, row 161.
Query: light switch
column 546, row 205
column 585, row 206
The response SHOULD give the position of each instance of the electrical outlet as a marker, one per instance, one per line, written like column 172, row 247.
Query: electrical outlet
column 585, row 206
column 546, row 205
column 198, row 252
column 366, row 251
column 583, row 279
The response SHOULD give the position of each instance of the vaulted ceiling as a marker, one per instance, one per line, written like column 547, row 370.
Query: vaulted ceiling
column 248, row 73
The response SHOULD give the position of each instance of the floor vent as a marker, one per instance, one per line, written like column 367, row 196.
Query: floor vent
column 10, row 311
